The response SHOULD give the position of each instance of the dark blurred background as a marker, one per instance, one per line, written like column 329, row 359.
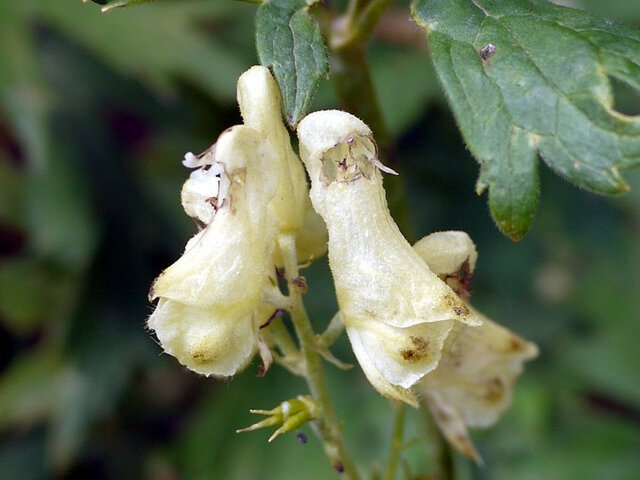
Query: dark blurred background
column 96, row 113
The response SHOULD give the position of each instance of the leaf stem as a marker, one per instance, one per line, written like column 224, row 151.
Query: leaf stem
column 359, row 21
column 396, row 445
column 328, row 429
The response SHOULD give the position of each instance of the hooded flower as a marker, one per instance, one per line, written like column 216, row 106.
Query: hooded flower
column 397, row 312
column 207, row 313
column 473, row 382
column 246, row 189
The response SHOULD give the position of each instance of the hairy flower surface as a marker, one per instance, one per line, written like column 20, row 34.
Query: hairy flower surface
column 473, row 383
column 397, row 312
column 247, row 189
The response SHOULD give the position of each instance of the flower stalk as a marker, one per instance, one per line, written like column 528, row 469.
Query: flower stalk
column 397, row 443
column 329, row 429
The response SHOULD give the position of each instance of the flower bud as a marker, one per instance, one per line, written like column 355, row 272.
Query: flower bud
column 473, row 382
column 397, row 312
column 290, row 414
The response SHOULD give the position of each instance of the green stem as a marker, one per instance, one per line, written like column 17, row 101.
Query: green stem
column 443, row 453
column 348, row 36
column 397, row 444
column 283, row 339
column 354, row 86
column 447, row 467
column 329, row 429
column 359, row 21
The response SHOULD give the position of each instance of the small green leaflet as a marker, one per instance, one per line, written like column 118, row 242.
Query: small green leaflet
column 290, row 43
column 526, row 77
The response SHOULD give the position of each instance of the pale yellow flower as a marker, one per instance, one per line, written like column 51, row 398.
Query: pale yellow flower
column 207, row 314
column 473, row 383
column 248, row 188
column 396, row 311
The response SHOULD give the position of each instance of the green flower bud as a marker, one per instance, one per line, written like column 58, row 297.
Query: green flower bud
column 290, row 414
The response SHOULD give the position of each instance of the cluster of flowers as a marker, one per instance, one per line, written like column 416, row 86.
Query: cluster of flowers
column 405, row 308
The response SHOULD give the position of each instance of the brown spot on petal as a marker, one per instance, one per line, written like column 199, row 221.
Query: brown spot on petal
column 418, row 351
column 494, row 391
column 516, row 344
column 199, row 356
column 460, row 309
column 420, row 343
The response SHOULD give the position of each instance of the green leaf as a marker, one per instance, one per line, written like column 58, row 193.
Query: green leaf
column 290, row 43
column 526, row 77
column 158, row 45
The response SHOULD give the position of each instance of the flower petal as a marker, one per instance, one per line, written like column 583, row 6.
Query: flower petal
column 446, row 252
column 478, row 369
column 452, row 425
column 366, row 358
column 402, row 355
column 229, row 261
column 260, row 105
column 377, row 274
column 208, row 341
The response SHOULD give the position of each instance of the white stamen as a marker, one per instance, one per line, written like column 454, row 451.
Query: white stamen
column 384, row 168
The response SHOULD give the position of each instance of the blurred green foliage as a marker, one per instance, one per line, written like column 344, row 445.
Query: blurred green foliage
column 96, row 112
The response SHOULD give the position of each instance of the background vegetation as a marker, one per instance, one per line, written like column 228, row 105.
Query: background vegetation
column 96, row 112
